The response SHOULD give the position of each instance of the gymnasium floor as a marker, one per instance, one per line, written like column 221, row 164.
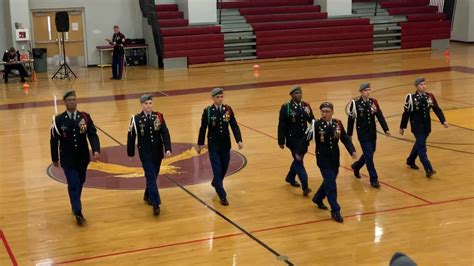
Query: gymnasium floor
column 268, row 222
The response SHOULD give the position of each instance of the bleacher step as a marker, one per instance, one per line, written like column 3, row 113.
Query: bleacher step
column 387, row 42
column 239, row 44
column 238, row 37
column 241, row 58
column 383, row 35
column 228, row 30
column 394, row 47
column 234, row 52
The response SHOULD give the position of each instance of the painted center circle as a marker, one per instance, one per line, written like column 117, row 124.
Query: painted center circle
column 115, row 170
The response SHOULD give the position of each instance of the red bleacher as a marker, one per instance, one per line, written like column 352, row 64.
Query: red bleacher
column 423, row 25
column 200, row 44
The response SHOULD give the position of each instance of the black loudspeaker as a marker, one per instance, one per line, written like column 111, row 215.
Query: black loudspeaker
column 62, row 21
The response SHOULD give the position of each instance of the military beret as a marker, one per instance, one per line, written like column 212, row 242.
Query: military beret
column 295, row 89
column 326, row 105
column 146, row 97
column 69, row 93
column 418, row 81
column 364, row 86
column 217, row 91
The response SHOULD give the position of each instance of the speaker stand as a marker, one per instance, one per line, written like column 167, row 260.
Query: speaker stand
column 64, row 71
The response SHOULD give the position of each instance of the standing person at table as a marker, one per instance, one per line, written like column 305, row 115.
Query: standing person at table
column 292, row 125
column 327, row 132
column 11, row 57
column 153, row 137
column 216, row 119
column 69, row 134
column 118, row 41
column 363, row 111
column 417, row 110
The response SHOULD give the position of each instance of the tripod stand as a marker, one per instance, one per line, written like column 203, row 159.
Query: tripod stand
column 66, row 70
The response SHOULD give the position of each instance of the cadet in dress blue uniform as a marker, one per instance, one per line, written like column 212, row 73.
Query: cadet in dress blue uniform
column 216, row 119
column 292, row 125
column 327, row 132
column 153, row 137
column 118, row 41
column 417, row 110
column 363, row 111
column 69, row 133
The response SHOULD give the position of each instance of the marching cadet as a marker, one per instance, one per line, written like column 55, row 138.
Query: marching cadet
column 363, row 111
column 327, row 132
column 417, row 110
column 153, row 137
column 69, row 133
column 216, row 119
column 292, row 125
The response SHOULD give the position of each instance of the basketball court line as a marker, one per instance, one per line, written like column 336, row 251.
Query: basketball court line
column 262, row 230
column 24, row 105
column 278, row 256
column 8, row 248
column 250, row 232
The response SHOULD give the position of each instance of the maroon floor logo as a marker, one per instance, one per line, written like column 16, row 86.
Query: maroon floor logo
column 116, row 171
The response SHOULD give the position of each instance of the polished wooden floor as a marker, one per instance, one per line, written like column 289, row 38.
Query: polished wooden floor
column 429, row 219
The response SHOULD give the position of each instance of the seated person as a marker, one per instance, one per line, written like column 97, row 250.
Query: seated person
column 11, row 58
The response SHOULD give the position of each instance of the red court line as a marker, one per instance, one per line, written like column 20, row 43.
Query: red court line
column 260, row 230
column 259, row 85
column 148, row 248
column 349, row 169
column 8, row 249
column 362, row 214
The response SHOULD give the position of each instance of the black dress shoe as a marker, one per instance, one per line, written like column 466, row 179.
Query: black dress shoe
column 320, row 204
column 356, row 171
column 224, row 202
column 375, row 184
column 156, row 210
column 212, row 184
column 113, row 78
column 431, row 173
column 306, row 192
column 336, row 216
column 413, row 166
column 80, row 220
column 5, row 81
column 293, row 183
column 145, row 197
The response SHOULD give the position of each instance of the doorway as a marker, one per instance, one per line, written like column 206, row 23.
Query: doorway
column 46, row 36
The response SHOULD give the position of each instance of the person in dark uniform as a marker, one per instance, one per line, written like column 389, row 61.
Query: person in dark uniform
column 363, row 111
column 216, row 119
column 11, row 58
column 417, row 110
column 326, row 133
column 118, row 40
column 153, row 137
column 292, row 125
column 69, row 134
